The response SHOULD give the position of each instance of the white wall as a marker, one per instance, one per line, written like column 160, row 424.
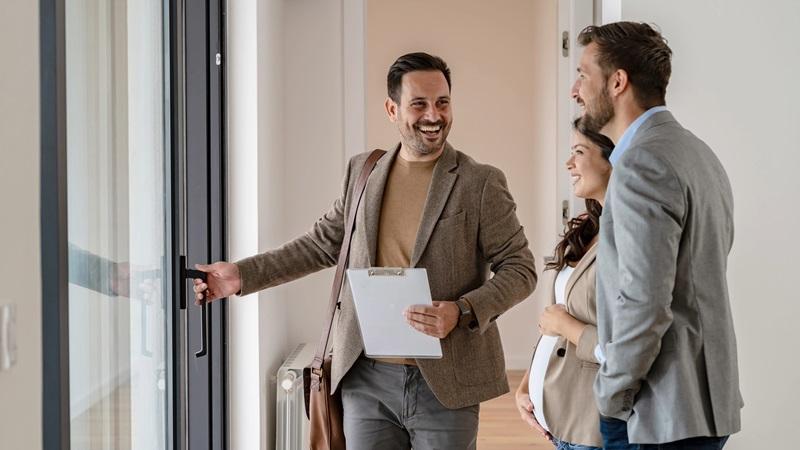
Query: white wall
column 247, row 399
column 504, row 65
column 273, row 326
column 258, row 323
column 20, row 388
column 287, row 153
column 302, row 133
column 734, row 84
column 313, row 148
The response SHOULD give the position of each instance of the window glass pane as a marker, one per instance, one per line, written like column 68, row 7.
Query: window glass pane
column 117, row 217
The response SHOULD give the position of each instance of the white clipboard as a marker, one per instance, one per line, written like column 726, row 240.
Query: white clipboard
column 381, row 294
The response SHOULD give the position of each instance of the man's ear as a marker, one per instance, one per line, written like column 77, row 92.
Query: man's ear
column 391, row 109
column 618, row 82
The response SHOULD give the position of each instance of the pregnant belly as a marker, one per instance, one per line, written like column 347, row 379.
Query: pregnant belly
column 541, row 358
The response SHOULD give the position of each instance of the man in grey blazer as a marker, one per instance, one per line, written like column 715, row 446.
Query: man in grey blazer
column 425, row 205
column 669, row 374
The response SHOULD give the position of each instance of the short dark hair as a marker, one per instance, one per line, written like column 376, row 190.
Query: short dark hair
column 639, row 50
column 413, row 62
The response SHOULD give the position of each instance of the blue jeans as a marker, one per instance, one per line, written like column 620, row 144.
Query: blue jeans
column 615, row 437
column 561, row 445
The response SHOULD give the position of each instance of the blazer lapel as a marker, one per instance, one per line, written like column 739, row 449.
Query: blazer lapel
column 442, row 181
column 584, row 264
column 369, row 213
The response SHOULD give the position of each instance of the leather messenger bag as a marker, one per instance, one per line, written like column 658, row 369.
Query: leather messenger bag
column 323, row 409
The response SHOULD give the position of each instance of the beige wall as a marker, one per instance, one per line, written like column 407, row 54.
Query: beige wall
column 20, row 388
column 734, row 84
column 511, row 126
column 503, row 62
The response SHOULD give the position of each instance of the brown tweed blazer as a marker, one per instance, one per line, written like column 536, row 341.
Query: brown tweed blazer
column 469, row 229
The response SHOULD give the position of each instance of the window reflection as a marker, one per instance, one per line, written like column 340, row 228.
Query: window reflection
column 116, row 161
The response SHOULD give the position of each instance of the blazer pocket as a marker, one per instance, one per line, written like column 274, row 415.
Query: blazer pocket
column 590, row 365
column 445, row 250
column 452, row 219
column 451, row 233
column 477, row 358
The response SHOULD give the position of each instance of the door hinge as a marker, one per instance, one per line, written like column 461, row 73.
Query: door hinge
column 218, row 59
column 565, row 44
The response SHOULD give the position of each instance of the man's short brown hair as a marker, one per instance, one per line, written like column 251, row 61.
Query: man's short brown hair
column 412, row 62
column 639, row 50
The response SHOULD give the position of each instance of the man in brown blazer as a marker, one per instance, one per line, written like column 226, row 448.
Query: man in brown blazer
column 426, row 205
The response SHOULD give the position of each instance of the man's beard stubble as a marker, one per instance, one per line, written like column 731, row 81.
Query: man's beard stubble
column 597, row 117
column 414, row 140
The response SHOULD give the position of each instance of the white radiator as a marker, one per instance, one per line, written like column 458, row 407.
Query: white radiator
column 291, row 424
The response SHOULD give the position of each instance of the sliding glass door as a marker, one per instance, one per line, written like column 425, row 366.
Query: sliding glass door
column 132, row 194
column 117, row 122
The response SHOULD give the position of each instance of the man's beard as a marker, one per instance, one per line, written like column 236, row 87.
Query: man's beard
column 602, row 111
column 414, row 140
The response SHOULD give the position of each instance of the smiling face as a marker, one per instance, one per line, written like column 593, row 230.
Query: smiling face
column 590, row 91
column 423, row 115
column 588, row 168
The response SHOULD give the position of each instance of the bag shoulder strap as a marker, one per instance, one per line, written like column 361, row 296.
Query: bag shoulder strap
column 344, row 255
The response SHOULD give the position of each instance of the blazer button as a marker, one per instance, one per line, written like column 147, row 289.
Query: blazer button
column 561, row 352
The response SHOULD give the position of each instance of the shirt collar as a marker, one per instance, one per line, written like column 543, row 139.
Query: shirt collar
column 630, row 132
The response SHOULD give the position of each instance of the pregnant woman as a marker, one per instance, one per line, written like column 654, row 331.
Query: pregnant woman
column 555, row 397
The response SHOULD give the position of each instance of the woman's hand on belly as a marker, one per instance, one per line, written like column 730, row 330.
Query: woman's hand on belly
column 525, row 407
column 556, row 321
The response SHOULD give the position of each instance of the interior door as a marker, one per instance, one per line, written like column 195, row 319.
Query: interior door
column 132, row 170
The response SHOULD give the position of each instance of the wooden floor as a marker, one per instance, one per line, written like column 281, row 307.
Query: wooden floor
column 500, row 425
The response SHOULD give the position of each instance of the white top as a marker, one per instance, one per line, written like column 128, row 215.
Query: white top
column 541, row 356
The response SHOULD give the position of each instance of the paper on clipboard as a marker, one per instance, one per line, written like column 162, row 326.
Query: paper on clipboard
column 380, row 296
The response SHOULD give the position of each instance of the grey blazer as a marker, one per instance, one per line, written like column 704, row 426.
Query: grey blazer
column 664, row 318
column 469, row 228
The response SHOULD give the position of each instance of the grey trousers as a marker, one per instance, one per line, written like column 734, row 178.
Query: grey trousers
column 390, row 407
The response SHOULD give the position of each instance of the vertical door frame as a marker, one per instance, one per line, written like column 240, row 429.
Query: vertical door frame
column 573, row 16
column 53, row 216
column 176, row 384
column 203, row 205
column 354, row 43
column 607, row 11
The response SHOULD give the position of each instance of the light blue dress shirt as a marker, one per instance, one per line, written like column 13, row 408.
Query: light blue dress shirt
column 625, row 141
column 620, row 148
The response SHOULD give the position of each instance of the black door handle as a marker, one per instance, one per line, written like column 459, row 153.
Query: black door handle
column 192, row 274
